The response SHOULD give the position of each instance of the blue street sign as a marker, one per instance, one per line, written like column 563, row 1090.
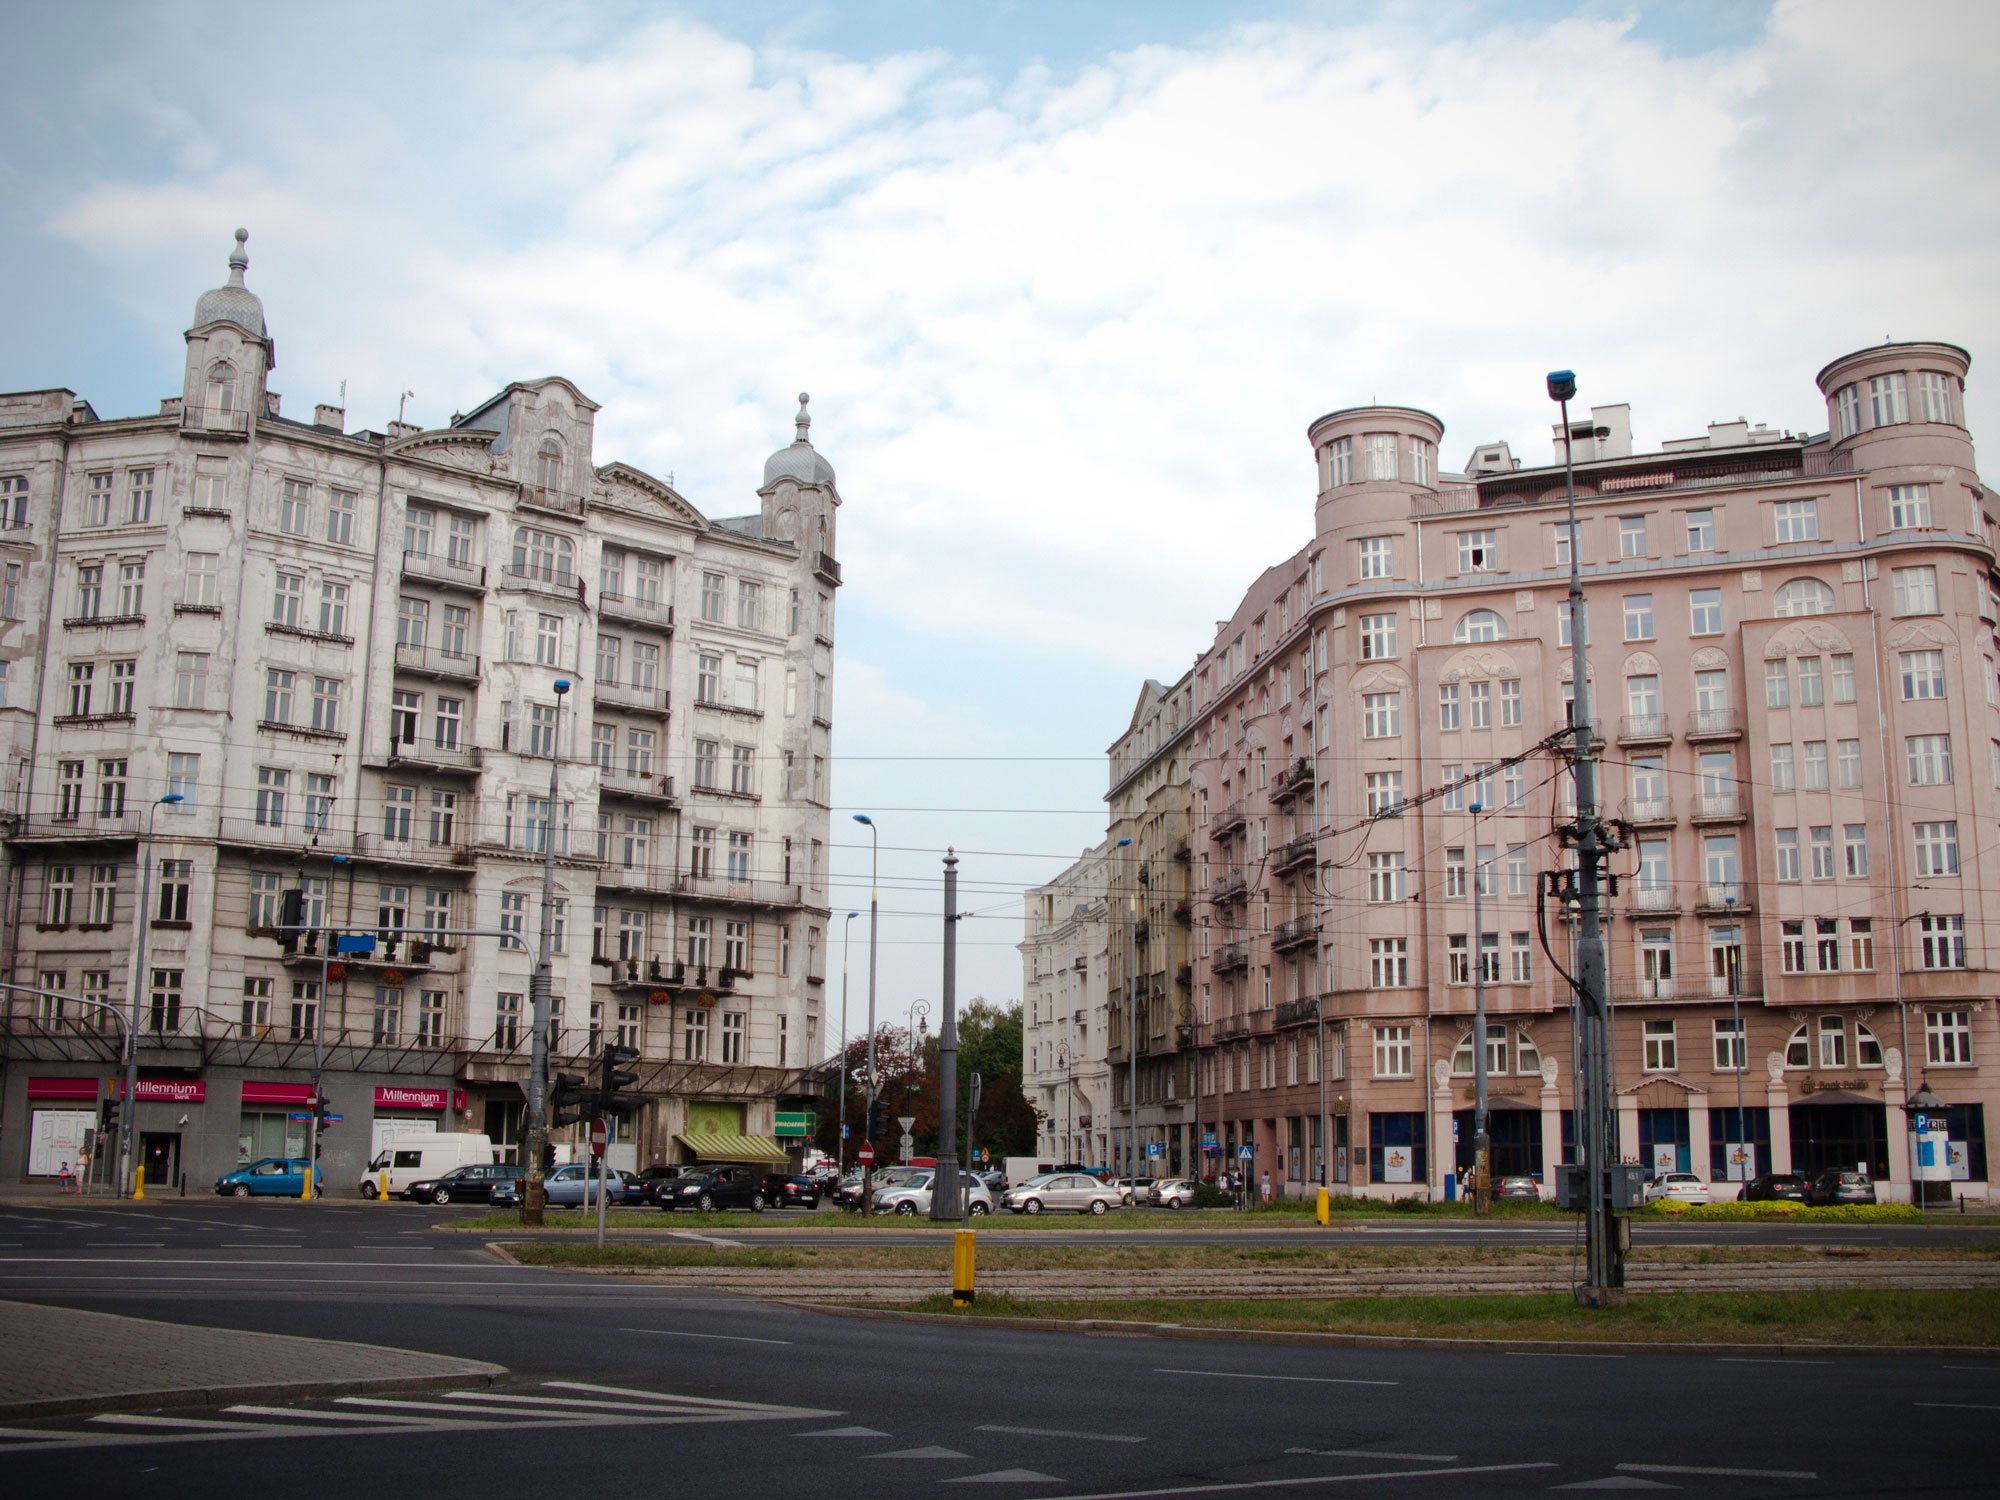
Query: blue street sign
column 1153, row 1148
column 843, row 1130
column 1208, row 1142
column 298, row 1117
column 1244, row 1153
column 362, row 944
column 335, row 1119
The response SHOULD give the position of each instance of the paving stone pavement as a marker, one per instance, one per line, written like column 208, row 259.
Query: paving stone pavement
column 58, row 1360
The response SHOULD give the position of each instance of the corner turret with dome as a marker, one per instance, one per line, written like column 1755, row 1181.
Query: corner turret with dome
column 230, row 352
column 800, row 498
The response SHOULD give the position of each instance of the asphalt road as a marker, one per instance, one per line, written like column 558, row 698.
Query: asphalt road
column 841, row 1407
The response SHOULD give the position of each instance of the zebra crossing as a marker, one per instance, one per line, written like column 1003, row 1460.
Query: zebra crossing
column 551, row 1404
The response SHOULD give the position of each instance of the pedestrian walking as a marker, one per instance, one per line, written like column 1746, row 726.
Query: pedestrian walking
column 1267, row 1187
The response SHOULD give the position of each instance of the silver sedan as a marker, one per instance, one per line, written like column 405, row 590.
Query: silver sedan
column 914, row 1196
column 1062, row 1190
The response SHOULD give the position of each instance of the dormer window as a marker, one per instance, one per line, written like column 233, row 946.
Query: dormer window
column 549, row 467
column 222, row 388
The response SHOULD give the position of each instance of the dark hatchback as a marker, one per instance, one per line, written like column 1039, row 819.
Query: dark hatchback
column 791, row 1192
column 1835, row 1186
column 476, row 1184
column 710, row 1188
column 653, row 1184
column 1769, row 1187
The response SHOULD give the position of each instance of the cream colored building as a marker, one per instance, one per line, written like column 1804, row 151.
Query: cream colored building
column 341, row 650
column 1065, row 975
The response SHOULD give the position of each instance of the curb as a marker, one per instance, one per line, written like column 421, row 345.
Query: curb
column 301, row 1390
column 1109, row 1328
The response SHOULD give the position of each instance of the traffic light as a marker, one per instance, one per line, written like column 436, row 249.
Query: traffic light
column 548, row 1157
column 570, row 1101
column 110, row 1125
column 878, row 1118
column 609, row 1100
column 291, row 917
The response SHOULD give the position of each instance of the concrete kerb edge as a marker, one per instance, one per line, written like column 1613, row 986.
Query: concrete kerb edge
column 1106, row 1327
column 301, row 1390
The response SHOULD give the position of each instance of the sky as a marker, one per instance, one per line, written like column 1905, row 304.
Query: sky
column 1066, row 282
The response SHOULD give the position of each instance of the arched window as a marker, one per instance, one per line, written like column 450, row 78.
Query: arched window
column 1867, row 1049
column 549, row 466
column 1478, row 626
column 1804, row 596
column 1798, row 1051
column 222, row 387
column 542, row 555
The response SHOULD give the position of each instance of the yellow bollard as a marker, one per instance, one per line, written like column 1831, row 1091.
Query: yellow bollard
column 383, row 1195
column 1325, row 1207
column 139, row 1182
column 962, row 1245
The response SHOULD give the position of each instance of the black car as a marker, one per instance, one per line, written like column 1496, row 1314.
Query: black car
column 1768, row 1187
column 653, row 1184
column 464, row 1184
column 709, row 1188
column 1835, row 1186
column 791, row 1192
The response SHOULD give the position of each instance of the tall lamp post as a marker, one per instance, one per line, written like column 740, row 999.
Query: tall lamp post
column 127, row 1123
column 874, row 922
column 944, row 1181
column 1131, row 1014
column 840, row 1140
column 1482, row 1144
column 1733, row 960
column 533, row 1198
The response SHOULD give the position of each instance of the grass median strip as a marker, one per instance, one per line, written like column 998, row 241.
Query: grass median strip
column 1883, row 1318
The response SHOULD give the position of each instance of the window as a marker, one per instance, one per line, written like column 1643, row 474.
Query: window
column 548, row 640
column 1847, row 411
column 1923, row 674
column 444, row 820
column 1929, row 759
column 295, row 507
column 1448, row 706
column 1815, row 765
column 736, row 946
column 749, row 612
column 1458, row 968
column 1812, row 687
column 399, row 811
column 1850, row 763
column 333, row 610
column 417, row 524
column 1385, row 877
column 1701, row 530
column 1937, row 848
column 340, row 518
column 1802, row 596
column 89, row 591
column 59, row 908
column 542, row 729
column 1381, row 715
column 1510, row 703
column 1454, row 873
column 326, row 704
column 1389, row 965
column 1661, row 1052
column 1378, row 637
column 746, row 684
column 183, row 778
column 1420, row 461
column 319, row 802
column 739, row 864
column 1705, row 612
column 1376, row 556
column 1948, row 1037
column 288, row 597
column 1478, row 627
column 699, row 931
column 1843, row 677
column 506, row 1021
column 708, row 680
column 1792, row 946
column 1915, row 590
column 1385, row 792
column 1479, row 704
column 1563, row 623
column 743, row 770
column 111, row 788
column 450, row 714
column 706, row 754
column 1796, row 521
column 1477, row 551
column 271, row 784
column 1731, row 1054
column 200, row 586
column 1394, row 1053
column 701, row 853
column 1854, row 844
column 1783, row 775
column 647, row 575
column 1777, row 685
column 712, row 596
column 1822, row 853
column 1378, row 455
column 1454, row 788
column 1565, row 539
column 542, row 555
column 1638, row 617
column 164, row 1011
column 1934, row 389
column 1832, row 1041
column 1941, row 942
column 69, row 790
column 430, row 1018
column 1909, row 506
column 256, row 1013
column 132, row 588
column 1888, row 399
column 103, row 894
column 1788, row 854
column 81, row 675
column 1719, row 865
column 1631, row 536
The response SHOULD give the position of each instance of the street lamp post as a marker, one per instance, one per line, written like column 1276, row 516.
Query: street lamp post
column 944, row 1180
column 533, row 1197
column 1482, row 1145
column 840, row 1140
column 127, row 1117
column 1131, row 1015
column 874, row 921
column 1732, row 957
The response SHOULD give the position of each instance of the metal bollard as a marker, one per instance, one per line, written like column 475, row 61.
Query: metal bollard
column 1324, row 1209
column 963, row 1242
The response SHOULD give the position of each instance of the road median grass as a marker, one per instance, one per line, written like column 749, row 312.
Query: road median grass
column 1877, row 1318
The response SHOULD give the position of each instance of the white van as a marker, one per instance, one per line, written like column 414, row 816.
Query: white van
column 415, row 1158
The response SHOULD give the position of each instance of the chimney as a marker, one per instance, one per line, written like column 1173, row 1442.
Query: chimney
column 271, row 400
column 400, row 430
column 330, row 416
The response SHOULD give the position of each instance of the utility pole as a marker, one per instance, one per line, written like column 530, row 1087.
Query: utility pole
column 540, row 988
column 1131, row 1015
column 840, row 1140
column 874, row 917
column 128, row 1121
column 1482, row 1144
column 944, row 1181
column 1596, row 1134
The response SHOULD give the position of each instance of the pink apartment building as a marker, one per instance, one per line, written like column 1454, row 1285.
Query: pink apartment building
column 1793, row 685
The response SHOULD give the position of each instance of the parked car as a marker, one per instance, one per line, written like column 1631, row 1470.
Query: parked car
column 709, row 1188
column 462, row 1184
column 273, row 1177
column 1170, row 1192
column 654, row 1180
column 506, row 1192
column 781, row 1191
column 849, row 1194
column 914, row 1196
column 1836, row 1186
column 1132, row 1189
column 996, row 1182
column 1768, row 1187
column 1518, row 1189
column 1061, row 1190
column 428, row 1156
column 575, row 1186
column 1680, row 1187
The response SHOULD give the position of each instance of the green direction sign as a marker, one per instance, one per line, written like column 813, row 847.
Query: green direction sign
column 796, row 1122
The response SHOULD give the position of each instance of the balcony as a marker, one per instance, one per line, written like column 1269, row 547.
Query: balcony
column 1294, row 779
column 1295, row 932
column 1184, row 976
column 657, row 790
column 470, row 577
column 430, row 661
column 1718, row 807
column 1656, row 900
column 827, row 569
column 1184, row 912
column 638, row 700
column 535, row 497
column 1714, row 724
column 1722, row 898
column 1227, row 821
column 1298, row 854
column 102, row 622
column 538, row 579
column 415, row 755
column 1183, row 852
column 83, row 827
column 92, row 721
column 1644, row 729
column 636, row 877
column 16, row 532
column 1294, row 1012
column 218, row 423
column 1142, row 929
column 376, row 846
column 771, row 893
column 1229, row 887
column 1648, row 812
column 1230, row 957
column 623, row 606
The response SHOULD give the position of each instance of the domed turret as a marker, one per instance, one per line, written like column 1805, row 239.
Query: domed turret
column 234, row 302
column 800, row 461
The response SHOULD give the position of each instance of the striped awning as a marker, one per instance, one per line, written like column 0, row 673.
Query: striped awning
column 716, row 1145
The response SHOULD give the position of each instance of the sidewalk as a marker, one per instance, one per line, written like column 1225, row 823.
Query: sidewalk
column 55, row 1361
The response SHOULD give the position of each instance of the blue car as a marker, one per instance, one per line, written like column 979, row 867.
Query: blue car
column 274, row 1176
column 566, row 1187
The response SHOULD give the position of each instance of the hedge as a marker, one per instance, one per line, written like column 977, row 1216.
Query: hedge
column 1785, row 1208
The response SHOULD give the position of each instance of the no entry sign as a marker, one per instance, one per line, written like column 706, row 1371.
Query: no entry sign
column 598, row 1136
column 866, row 1154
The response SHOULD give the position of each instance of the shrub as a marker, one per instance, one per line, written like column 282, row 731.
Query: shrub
column 1208, row 1195
column 1784, row 1208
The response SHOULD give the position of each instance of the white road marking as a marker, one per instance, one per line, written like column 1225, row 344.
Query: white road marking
column 1415, row 1458
column 1088, row 1437
column 930, row 1451
column 503, row 1399
column 1553, row 1354
column 123, row 1419
column 125, row 1245
column 1699, row 1469
column 708, row 1239
column 715, row 1401
column 1008, row 1476
column 844, row 1432
column 1278, row 1484
column 1307, row 1379
column 1956, row 1406
column 305, row 1415
column 1724, row 1360
column 1982, row 1369
column 675, row 1333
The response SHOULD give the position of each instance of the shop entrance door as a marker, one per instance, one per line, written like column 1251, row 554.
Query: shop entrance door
column 160, row 1151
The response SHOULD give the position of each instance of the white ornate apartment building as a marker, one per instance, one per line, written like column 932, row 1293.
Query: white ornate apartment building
column 1065, row 977
column 1793, row 656
column 340, row 650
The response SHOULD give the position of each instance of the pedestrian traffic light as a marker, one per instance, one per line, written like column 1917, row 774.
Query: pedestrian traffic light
column 610, row 1101
column 570, row 1100
column 878, row 1118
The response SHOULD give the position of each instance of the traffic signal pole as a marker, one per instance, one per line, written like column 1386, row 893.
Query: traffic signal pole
column 533, row 1195
column 944, row 1180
